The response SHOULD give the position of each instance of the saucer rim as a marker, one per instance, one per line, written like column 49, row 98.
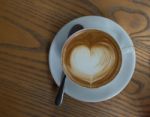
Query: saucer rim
column 114, row 93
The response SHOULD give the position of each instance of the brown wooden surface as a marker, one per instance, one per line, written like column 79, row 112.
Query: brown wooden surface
column 27, row 28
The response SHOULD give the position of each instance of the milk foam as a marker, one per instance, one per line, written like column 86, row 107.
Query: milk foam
column 87, row 63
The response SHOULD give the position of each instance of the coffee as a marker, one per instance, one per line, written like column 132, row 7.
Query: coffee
column 91, row 58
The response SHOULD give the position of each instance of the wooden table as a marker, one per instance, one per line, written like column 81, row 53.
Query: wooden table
column 27, row 28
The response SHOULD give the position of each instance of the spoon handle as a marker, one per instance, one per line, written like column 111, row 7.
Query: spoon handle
column 59, row 97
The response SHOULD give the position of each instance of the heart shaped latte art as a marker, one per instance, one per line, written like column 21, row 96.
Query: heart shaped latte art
column 88, row 63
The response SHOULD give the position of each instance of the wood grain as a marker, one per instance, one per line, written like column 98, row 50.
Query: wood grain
column 27, row 28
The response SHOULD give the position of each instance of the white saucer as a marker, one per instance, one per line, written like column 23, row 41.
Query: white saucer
column 115, row 86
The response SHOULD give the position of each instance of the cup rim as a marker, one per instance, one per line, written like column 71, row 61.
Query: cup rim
column 71, row 38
